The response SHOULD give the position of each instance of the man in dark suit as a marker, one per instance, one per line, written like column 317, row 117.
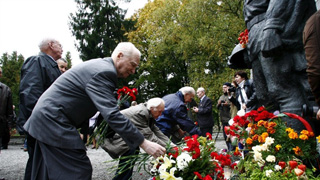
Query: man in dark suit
column 204, row 112
column 6, row 114
column 37, row 74
column 69, row 102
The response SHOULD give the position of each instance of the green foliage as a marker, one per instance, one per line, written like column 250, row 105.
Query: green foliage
column 186, row 42
column 98, row 26
column 68, row 59
column 11, row 66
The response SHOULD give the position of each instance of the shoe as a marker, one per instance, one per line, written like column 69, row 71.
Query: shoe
column 4, row 147
column 25, row 149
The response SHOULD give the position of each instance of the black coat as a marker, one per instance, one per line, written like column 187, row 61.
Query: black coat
column 204, row 114
column 6, row 109
column 73, row 99
column 37, row 74
column 252, row 102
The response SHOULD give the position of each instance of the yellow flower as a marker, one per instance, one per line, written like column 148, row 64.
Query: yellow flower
column 167, row 176
column 278, row 147
column 289, row 130
column 297, row 150
column 263, row 137
column 318, row 139
column 260, row 123
column 303, row 137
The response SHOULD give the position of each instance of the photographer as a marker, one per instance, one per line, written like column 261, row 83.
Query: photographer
column 224, row 105
column 246, row 98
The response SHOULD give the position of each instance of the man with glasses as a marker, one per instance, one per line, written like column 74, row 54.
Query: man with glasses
column 37, row 74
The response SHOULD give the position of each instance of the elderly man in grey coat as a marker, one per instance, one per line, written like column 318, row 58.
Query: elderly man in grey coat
column 69, row 102
column 143, row 117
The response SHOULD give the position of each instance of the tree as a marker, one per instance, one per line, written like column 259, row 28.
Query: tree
column 98, row 26
column 11, row 66
column 186, row 42
column 68, row 59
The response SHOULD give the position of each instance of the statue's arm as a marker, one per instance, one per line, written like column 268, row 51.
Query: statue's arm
column 277, row 14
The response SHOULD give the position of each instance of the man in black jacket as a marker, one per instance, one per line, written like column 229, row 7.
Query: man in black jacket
column 204, row 112
column 37, row 74
column 6, row 114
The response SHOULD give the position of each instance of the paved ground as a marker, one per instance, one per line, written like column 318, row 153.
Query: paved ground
column 13, row 161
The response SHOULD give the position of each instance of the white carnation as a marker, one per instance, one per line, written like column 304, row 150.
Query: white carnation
column 269, row 172
column 271, row 158
column 269, row 141
column 183, row 160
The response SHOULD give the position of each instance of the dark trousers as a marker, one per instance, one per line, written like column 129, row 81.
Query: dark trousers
column 204, row 130
column 30, row 147
column 56, row 163
column 125, row 168
column 5, row 139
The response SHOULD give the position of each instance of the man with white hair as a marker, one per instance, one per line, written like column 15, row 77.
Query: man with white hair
column 175, row 116
column 204, row 112
column 143, row 117
column 69, row 102
column 37, row 74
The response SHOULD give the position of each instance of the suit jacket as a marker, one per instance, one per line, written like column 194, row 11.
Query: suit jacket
column 37, row 74
column 204, row 114
column 73, row 99
column 141, row 117
column 6, row 109
column 252, row 102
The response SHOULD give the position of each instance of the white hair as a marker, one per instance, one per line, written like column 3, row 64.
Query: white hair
column 44, row 44
column 127, row 49
column 201, row 89
column 187, row 89
column 154, row 102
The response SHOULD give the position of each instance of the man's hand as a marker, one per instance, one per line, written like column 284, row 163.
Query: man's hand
column 152, row 148
column 318, row 115
column 195, row 109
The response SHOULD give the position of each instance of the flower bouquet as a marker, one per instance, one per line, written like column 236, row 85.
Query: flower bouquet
column 196, row 158
column 103, row 130
column 243, row 38
column 274, row 150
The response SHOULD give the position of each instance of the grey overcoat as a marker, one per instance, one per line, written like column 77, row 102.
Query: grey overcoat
column 75, row 97
column 141, row 117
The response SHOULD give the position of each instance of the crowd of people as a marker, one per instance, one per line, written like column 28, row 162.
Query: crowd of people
column 55, row 102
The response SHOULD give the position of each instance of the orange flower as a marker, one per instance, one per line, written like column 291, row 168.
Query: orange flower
column 261, row 123
column 303, row 137
column 249, row 141
column 293, row 135
column 272, row 124
column 271, row 130
column 256, row 136
column 297, row 150
column 289, row 130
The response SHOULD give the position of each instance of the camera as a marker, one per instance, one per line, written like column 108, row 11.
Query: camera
column 232, row 89
column 309, row 111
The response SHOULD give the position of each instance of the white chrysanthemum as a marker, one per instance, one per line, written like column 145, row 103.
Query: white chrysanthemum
column 183, row 160
column 269, row 172
column 269, row 141
column 264, row 147
column 257, row 148
column 271, row 158
column 277, row 167
column 169, row 176
column 257, row 156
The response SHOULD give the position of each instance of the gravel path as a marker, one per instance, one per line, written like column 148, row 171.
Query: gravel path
column 13, row 161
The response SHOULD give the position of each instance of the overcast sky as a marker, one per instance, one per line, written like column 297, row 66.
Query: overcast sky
column 24, row 23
